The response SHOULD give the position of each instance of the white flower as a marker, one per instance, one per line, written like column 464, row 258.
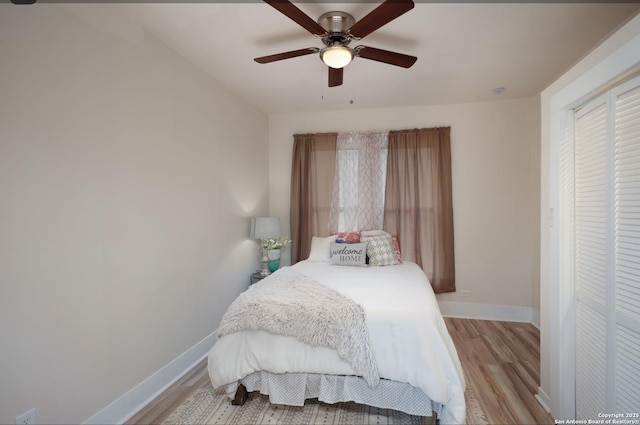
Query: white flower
column 275, row 243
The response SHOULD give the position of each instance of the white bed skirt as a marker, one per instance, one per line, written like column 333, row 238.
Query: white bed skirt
column 409, row 337
column 292, row 389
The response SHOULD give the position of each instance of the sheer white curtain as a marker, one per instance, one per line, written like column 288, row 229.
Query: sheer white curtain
column 359, row 185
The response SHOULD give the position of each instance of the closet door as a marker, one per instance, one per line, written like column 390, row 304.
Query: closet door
column 626, row 312
column 591, row 257
column 607, row 253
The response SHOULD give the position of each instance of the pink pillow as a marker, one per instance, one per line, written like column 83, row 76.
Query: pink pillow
column 396, row 247
column 348, row 237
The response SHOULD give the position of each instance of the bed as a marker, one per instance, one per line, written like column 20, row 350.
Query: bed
column 415, row 360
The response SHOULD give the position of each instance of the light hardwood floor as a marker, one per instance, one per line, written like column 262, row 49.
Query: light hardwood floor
column 501, row 361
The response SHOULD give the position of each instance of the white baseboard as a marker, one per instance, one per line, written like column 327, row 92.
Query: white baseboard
column 535, row 319
column 503, row 313
column 543, row 399
column 127, row 405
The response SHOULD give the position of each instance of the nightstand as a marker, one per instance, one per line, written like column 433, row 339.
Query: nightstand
column 256, row 277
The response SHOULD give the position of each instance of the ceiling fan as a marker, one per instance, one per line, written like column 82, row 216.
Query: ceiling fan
column 337, row 30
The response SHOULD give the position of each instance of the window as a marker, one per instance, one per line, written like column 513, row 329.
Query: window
column 359, row 182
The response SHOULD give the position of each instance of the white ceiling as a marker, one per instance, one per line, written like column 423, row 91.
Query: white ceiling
column 463, row 50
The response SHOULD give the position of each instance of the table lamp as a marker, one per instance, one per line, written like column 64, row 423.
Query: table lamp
column 265, row 228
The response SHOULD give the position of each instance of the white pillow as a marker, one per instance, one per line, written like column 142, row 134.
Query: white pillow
column 320, row 247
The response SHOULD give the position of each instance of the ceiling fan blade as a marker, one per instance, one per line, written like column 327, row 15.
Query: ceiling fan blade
column 298, row 16
column 386, row 56
column 335, row 76
column 381, row 15
column 287, row 55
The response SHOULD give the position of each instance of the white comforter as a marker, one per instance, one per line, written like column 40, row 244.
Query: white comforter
column 408, row 334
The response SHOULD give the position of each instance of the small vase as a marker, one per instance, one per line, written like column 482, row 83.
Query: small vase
column 274, row 259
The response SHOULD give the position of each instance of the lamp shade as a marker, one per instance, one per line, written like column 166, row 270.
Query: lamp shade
column 336, row 56
column 265, row 227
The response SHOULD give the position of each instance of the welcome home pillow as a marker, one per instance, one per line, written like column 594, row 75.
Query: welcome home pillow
column 349, row 254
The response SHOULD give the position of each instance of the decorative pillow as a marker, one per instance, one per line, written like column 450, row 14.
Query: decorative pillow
column 380, row 250
column 349, row 237
column 320, row 248
column 349, row 254
column 340, row 241
column 394, row 239
column 396, row 247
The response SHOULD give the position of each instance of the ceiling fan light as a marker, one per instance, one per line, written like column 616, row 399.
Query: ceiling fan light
column 336, row 56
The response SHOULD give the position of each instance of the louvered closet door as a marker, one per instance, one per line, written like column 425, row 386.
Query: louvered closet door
column 606, row 201
column 626, row 314
column 591, row 257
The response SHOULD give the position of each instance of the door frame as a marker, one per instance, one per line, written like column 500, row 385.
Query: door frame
column 561, row 292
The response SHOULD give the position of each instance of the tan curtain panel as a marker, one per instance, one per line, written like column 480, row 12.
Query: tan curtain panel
column 418, row 201
column 312, row 171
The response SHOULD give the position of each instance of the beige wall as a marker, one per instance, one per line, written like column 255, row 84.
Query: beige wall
column 127, row 179
column 495, row 186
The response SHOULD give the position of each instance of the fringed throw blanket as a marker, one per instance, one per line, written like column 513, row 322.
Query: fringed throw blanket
column 292, row 304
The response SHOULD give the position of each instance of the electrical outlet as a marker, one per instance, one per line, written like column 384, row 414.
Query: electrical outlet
column 465, row 293
column 27, row 418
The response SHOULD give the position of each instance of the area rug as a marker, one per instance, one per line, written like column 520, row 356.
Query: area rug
column 208, row 406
